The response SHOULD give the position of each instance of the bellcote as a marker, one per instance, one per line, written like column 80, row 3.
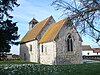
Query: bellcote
column 32, row 23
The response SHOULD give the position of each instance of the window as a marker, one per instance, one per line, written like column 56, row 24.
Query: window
column 24, row 56
column 69, row 43
column 42, row 48
column 30, row 47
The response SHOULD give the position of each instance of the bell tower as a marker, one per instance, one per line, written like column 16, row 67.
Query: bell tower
column 32, row 23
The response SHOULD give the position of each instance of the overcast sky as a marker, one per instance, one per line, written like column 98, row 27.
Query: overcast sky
column 39, row 9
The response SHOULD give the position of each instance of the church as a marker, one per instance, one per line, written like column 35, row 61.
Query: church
column 52, row 43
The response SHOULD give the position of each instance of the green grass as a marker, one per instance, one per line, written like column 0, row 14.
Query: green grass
column 26, row 68
column 16, row 62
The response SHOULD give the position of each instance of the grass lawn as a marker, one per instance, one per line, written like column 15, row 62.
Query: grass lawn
column 26, row 68
column 16, row 62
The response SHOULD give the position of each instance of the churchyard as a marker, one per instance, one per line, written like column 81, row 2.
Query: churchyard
column 29, row 68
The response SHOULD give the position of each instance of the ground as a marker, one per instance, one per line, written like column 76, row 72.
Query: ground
column 26, row 68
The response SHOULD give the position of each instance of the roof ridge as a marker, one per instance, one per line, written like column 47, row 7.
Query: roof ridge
column 48, row 18
column 32, row 34
column 54, row 28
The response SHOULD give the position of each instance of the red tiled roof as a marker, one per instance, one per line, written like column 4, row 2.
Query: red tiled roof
column 95, row 50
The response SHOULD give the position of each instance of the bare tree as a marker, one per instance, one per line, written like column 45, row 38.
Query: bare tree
column 84, row 13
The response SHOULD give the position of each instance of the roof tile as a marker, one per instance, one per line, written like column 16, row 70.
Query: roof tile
column 86, row 47
column 95, row 50
column 32, row 34
column 52, row 31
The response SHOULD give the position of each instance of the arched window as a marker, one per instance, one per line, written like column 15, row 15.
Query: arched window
column 69, row 43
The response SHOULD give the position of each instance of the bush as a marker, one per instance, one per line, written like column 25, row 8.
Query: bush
column 38, row 69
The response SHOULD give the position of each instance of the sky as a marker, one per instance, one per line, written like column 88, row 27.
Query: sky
column 39, row 9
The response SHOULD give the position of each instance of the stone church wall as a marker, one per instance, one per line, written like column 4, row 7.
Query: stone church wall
column 34, row 55
column 24, row 54
column 63, row 55
column 55, row 52
column 48, row 53
column 31, row 55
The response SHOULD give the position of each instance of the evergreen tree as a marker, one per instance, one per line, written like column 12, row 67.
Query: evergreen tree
column 8, row 29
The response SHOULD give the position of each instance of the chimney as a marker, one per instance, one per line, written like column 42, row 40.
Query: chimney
column 32, row 23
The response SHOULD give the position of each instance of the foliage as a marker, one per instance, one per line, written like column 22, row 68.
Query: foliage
column 16, row 57
column 37, row 69
column 85, row 14
column 8, row 29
